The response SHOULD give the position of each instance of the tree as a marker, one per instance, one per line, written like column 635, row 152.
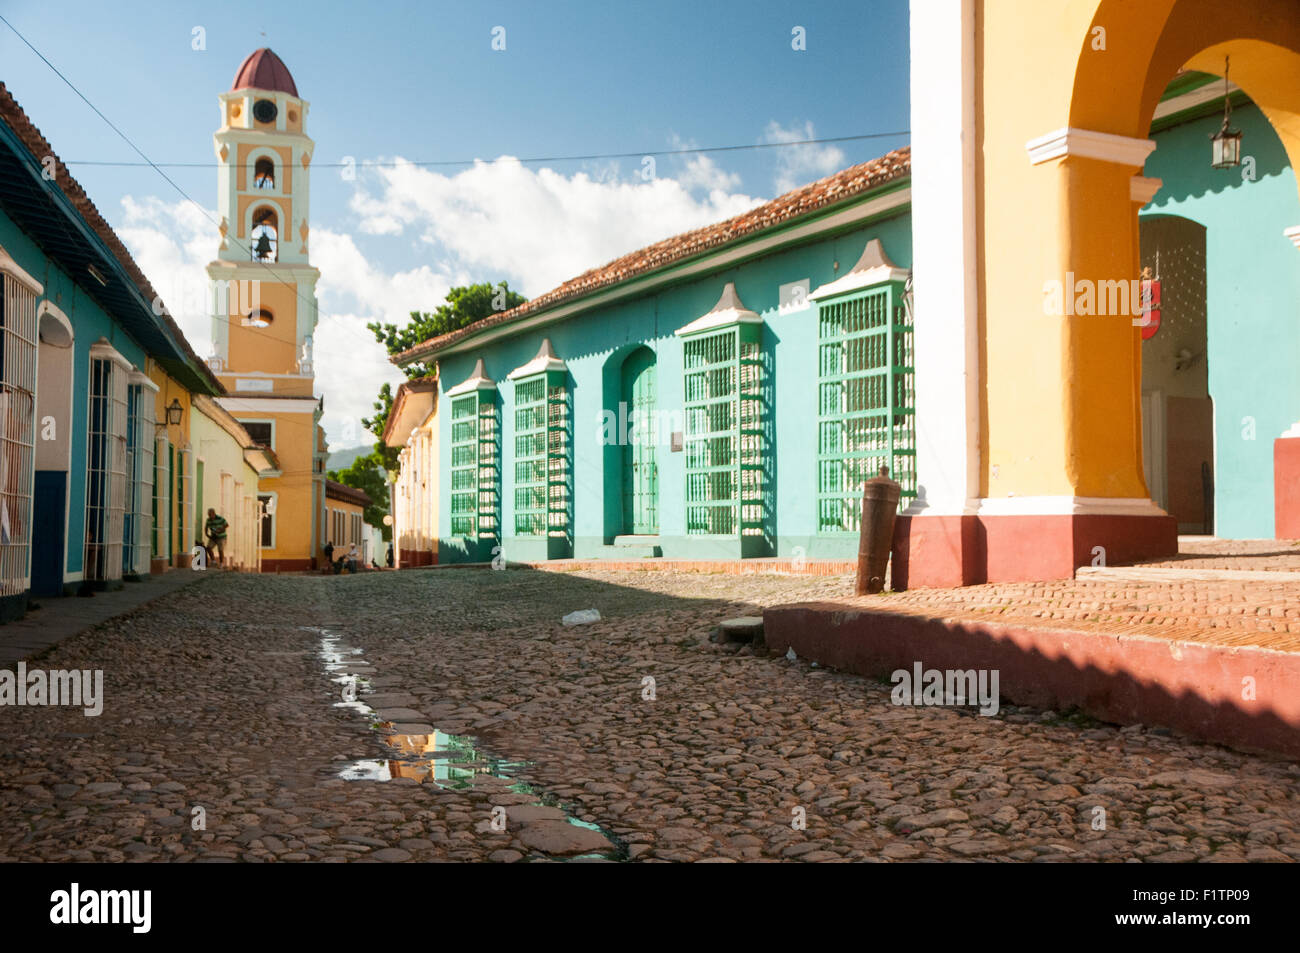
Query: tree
column 367, row 473
column 463, row 306
column 387, row 456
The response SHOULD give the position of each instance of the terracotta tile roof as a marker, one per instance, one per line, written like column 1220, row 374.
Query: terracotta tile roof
column 347, row 494
column 16, row 119
column 843, row 185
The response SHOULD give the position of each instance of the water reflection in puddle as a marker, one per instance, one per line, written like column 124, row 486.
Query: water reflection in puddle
column 438, row 758
column 446, row 761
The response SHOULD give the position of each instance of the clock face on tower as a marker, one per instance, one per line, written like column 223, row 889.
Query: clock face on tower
column 264, row 110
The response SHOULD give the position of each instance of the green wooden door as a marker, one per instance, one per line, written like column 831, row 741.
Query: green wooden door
column 640, row 470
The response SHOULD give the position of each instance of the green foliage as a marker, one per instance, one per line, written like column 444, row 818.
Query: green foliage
column 463, row 306
column 367, row 473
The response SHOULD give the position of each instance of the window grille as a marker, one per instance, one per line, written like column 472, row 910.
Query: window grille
column 543, row 457
column 17, row 432
column 138, row 528
column 475, row 477
column 866, row 402
column 725, row 442
column 106, row 474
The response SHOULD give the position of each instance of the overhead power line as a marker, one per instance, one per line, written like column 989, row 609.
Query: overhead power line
column 430, row 163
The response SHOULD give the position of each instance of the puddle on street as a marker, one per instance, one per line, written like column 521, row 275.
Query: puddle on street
column 438, row 758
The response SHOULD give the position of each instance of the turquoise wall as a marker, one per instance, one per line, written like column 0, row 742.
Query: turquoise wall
column 594, row 345
column 1253, row 303
column 89, row 323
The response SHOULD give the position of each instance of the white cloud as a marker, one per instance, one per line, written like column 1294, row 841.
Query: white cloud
column 538, row 227
column 172, row 243
column 494, row 220
column 801, row 164
column 699, row 171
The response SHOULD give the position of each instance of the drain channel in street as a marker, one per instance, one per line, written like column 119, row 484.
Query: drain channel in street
column 421, row 753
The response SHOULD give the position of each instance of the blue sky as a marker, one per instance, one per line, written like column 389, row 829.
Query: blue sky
column 420, row 81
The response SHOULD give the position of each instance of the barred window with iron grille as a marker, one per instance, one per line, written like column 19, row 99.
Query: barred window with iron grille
column 475, row 474
column 865, row 401
column 543, row 457
column 725, row 442
column 138, row 527
column 17, row 431
column 106, row 467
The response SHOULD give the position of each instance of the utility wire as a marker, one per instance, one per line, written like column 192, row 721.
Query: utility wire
column 534, row 159
column 151, row 164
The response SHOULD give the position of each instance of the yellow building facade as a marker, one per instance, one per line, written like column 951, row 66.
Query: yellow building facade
column 1031, row 127
column 226, row 469
column 413, row 427
column 345, row 521
column 264, row 301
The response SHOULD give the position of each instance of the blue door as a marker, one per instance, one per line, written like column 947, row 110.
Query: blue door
column 48, row 541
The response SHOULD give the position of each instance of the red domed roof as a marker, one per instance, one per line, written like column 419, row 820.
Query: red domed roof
column 264, row 70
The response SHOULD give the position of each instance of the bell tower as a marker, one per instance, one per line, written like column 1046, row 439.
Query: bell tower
column 263, row 189
column 263, row 299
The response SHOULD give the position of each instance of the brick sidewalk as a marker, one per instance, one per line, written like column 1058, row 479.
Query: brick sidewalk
column 1222, row 611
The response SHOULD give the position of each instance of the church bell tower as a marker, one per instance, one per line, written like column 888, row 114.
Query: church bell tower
column 263, row 302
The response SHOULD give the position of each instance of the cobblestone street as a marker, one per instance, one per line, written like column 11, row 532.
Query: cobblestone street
column 246, row 726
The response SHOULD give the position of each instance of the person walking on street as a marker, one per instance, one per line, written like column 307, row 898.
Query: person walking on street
column 215, row 527
column 388, row 558
column 329, row 555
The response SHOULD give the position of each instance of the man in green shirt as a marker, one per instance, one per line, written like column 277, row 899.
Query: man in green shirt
column 216, row 530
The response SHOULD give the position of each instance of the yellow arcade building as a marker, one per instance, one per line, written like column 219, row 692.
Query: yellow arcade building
column 1031, row 132
column 264, row 301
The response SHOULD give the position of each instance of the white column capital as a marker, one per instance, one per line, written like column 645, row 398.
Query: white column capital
column 1088, row 144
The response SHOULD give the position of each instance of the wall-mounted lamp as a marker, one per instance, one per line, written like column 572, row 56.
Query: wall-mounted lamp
column 175, row 412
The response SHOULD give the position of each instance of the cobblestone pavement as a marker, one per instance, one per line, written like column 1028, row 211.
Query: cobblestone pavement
column 218, row 698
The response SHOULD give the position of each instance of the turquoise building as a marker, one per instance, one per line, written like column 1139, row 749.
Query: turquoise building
column 719, row 395
column 1221, row 375
column 79, row 336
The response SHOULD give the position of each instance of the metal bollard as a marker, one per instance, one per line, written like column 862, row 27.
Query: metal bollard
column 880, row 497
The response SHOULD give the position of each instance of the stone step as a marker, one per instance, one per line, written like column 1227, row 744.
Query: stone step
column 633, row 547
column 748, row 628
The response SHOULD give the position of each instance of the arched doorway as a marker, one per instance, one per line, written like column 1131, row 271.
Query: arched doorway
column 53, row 451
column 1177, row 411
column 640, row 467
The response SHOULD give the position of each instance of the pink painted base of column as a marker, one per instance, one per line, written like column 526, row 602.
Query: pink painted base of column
column 1286, row 488
column 947, row 551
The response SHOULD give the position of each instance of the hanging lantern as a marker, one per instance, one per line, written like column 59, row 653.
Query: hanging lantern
column 1226, row 143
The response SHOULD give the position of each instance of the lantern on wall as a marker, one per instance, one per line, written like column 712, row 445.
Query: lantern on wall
column 175, row 412
column 1226, row 143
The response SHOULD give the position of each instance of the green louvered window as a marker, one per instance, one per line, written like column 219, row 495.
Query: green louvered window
column 724, row 439
column 542, row 457
column 530, row 456
column 866, row 402
column 559, row 461
column 475, row 493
